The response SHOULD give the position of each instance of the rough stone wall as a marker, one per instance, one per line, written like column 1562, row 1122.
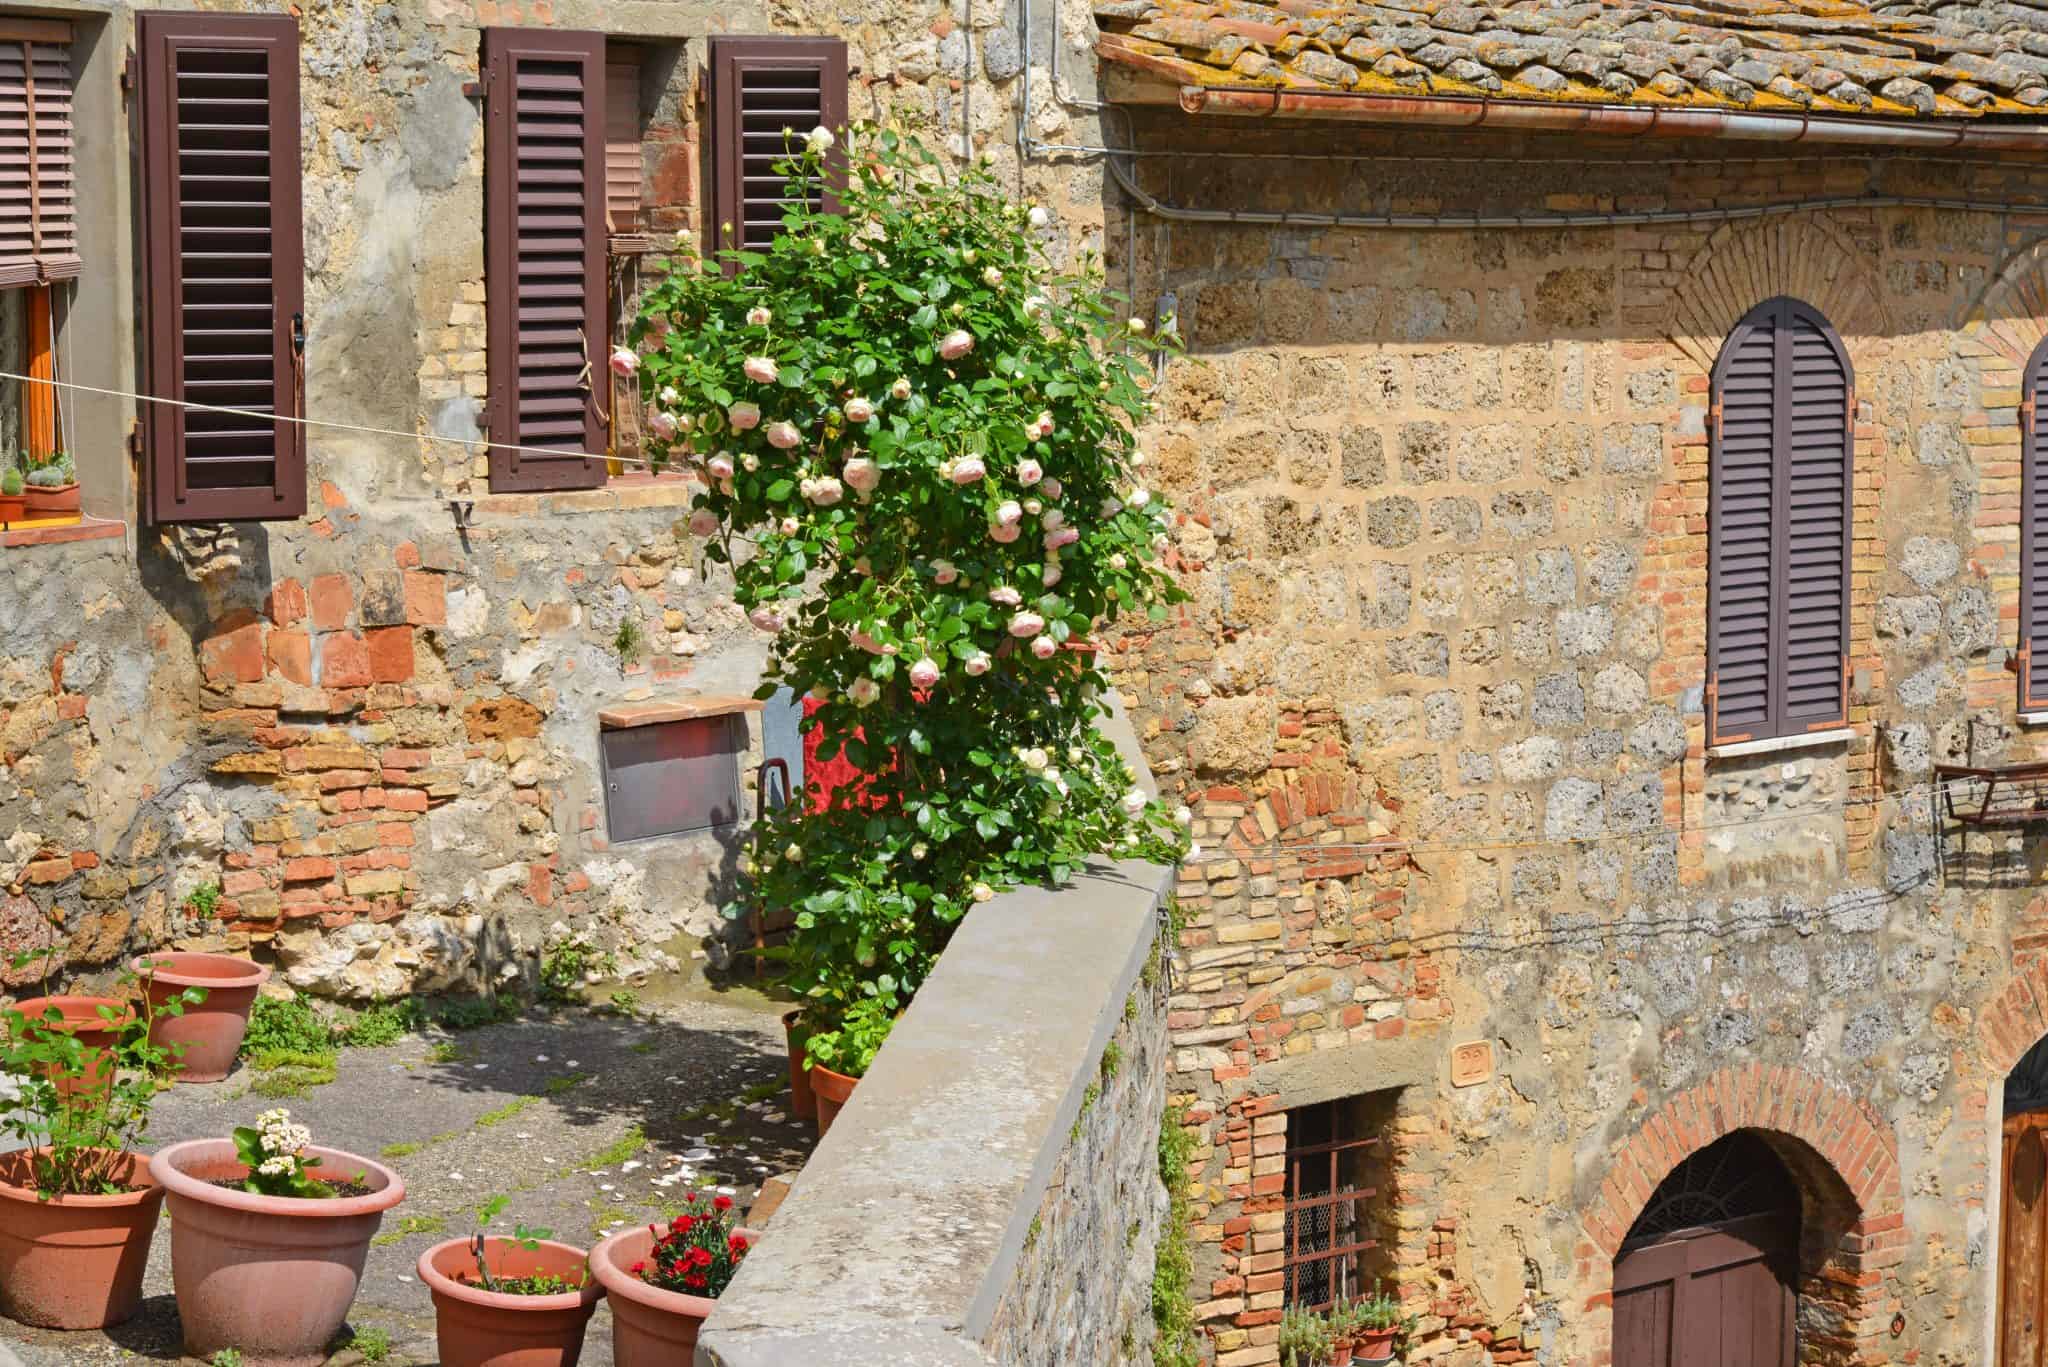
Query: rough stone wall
column 378, row 731
column 1082, row 1291
column 1442, row 499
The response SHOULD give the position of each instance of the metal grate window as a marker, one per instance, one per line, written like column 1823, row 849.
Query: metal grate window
column 1326, row 1205
column 671, row 778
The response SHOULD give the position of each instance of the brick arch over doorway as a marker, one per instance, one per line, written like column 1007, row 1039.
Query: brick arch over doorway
column 2017, row 1017
column 1742, row 264
column 1845, row 1160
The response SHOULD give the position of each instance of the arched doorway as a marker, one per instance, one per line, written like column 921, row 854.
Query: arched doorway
column 2023, row 1232
column 1706, row 1276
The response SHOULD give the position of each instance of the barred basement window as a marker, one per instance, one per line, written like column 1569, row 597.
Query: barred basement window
column 1328, row 1220
column 2033, row 663
column 1778, row 527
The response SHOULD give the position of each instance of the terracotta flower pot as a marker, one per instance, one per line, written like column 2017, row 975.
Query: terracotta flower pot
column 273, row 1276
column 650, row 1327
column 83, row 1022
column 831, row 1089
column 51, row 500
column 74, row 1262
column 1340, row 1353
column 211, row 1031
column 479, row 1328
column 13, row 507
column 802, row 1102
column 1374, row 1345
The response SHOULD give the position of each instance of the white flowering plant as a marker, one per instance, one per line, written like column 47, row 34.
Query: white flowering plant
column 918, row 438
column 274, row 1151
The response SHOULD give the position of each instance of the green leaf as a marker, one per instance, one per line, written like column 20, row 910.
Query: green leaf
column 863, row 366
column 780, row 490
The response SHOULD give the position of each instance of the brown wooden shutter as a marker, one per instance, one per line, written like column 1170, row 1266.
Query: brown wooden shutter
column 2033, row 643
column 544, row 256
column 38, row 223
column 1779, row 526
column 624, row 173
column 223, row 263
column 765, row 94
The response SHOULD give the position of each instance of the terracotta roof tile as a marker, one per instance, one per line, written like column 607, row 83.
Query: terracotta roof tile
column 1894, row 58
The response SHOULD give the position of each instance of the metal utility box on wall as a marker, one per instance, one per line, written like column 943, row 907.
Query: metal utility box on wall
column 670, row 768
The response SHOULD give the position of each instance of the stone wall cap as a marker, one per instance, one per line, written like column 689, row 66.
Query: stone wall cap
column 679, row 707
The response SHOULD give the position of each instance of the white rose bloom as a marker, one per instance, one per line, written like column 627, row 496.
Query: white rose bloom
column 992, row 277
column 1134, row 801
column 759, row 317
column 900, row 390
column 1183, row 814
column 981, row 892
column 1038, row 217
column 863, row 692
column 819, row 140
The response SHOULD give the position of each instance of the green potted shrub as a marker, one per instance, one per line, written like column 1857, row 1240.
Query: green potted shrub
column 52, row 487
column 13, row 503
column 838, row 1058
column 79, row 1204
column 1304, row 1338
column 1375, row 1322
column 520, row 1299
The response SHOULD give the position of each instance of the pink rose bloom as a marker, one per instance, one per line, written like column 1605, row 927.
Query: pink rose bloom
column 1044, row 647
column 956, row 344
column 790, row 526
column 869, row 643
column 859, row 410
column 826, row 491
column 1005, row 595
column 1029, row 471
column 1025, row 625
column 783, row 435
column 1065, row 536
column 743, row 416
column 924, row 673
column 760, row 369
column 944, row 571
column 1052, row 488
column 662, row 424
column 758, row 316
column 967, row 469
column 625, row 362
column 862, row 692
column 861, row 474
column 900, row 390
column 766, row 618
column 1053, row 517
column 977, row 663
column 720, row 466
column 1003, row 533
column 1010, row 512
column 703, row 522
column 1050, row 575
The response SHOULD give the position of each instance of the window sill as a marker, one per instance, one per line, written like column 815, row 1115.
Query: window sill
column 621, row 493
column 2033, row 719
column 85, row 529
column 684, row 707
column 1773, row 745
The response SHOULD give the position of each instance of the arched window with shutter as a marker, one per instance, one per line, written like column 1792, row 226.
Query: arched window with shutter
column 2033, row 643
column 1778, row 528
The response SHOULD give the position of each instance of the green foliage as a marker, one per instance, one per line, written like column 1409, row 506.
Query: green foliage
column 201, row 901
column 54, row 476
column 539, row 1284
column 1173, row 1268
column 405, row 1149
column 627, row 640
column 626, row 1000
column 918, row 437
column 1305, row 1338
column 851, row 1045
column 281, row 1029
column 567, row 963
column 619, row 1150
column 505, row 1112
column 75, row 1141
column 292, row 1073
column 274, row 1151
column 471, row 1013
column 382, row 1023
column 1112, row 1059
column 226, row 1357
column 373, row 1344
column 1380, row 1310
column 10, row 481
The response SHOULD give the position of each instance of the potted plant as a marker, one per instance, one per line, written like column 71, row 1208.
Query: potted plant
column 1376, row 1323
column 522, row 1301
column 211, row 1033
column 661, row 1283
column 268, row 1238
column 95, row 1022
column 13, row 505
column 839, row 1058
column 79, row 1204
column 1340, row 1320
column 1304, row 1338
column 52, row 487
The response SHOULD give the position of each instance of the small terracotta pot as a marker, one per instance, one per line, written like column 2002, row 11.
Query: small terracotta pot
column 479, row 1328
column 650, row 1327
column 272, row 1276
column 83, row 1022
column 1340, row 1353
column 74, row 1262
column 831, row 1089
column 1374, row 1345
column 802, row 1102
column 48, row 501
column 211, row 1031
column 13, row 507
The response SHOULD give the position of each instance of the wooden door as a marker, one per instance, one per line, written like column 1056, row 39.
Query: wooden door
column 1717, row 1296
column 2022, row 1318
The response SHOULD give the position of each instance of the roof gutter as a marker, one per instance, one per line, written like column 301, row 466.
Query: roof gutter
column 1655, row 121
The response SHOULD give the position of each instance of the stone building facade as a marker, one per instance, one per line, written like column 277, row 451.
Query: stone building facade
column 1471, row 869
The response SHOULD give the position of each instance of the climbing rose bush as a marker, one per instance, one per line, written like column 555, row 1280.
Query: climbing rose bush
column 917, row 437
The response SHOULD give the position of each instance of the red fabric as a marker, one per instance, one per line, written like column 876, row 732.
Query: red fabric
column 824, row 777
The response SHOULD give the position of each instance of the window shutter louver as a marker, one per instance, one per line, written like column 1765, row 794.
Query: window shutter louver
column 544, row 260
column 1779, row 527
column 2033, row 644
column 766, row 94
column 218, row 119
column 623, row 171
column 38, row 232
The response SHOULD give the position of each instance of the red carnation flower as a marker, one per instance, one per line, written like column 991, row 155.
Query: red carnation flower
column 723, row 1203
column 638, row 1268
column 683, row 1223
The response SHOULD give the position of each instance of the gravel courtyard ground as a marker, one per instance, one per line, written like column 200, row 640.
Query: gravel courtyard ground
column 587, row 1121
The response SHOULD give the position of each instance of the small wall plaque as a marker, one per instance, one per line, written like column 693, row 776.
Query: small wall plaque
column 1471, row 1063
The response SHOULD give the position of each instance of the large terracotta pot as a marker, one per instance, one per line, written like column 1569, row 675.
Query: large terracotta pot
column 650, row 1327
column 74, row 1262
column 47, row 500
column 211, row 1031
column 479, row 1328
column 273, row 1276
column 83, row 1022
column 832, row 1090
column 13, row 507
column 1374, row 1345
column 802, row 1103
